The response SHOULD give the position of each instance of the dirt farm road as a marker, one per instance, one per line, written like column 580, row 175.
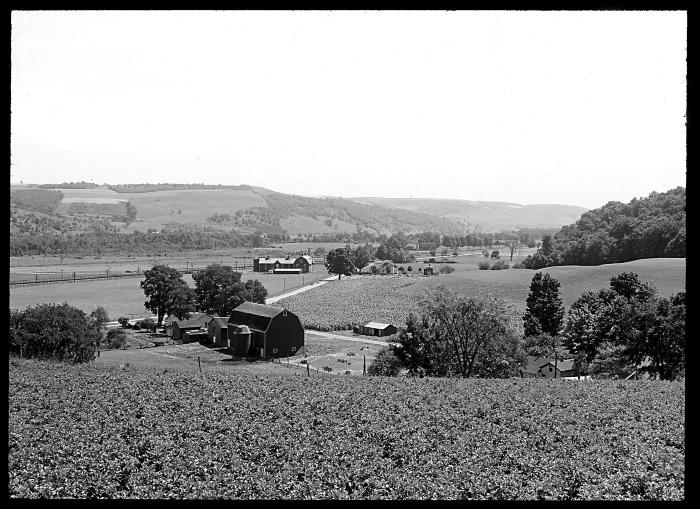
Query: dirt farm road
column 299, row 290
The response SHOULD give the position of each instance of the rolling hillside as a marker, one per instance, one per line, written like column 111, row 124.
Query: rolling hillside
column 246, row 209
column 486, row 215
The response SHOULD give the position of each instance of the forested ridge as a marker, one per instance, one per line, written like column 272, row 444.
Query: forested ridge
column 651, row 227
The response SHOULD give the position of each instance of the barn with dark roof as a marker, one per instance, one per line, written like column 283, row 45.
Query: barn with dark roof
column 276, row 332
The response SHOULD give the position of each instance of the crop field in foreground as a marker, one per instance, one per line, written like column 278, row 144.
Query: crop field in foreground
column 89, row 432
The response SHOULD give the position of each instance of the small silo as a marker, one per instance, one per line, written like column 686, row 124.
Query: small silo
column 239, row 340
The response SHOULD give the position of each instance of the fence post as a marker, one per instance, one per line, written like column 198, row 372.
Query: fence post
column 364, row 365
column 308, row 371
column 200, row 364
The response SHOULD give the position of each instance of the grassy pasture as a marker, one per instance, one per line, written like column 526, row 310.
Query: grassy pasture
column 125, row 296
column 667, row 274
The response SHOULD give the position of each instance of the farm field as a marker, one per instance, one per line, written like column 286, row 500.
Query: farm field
column 124, row 297
column 359, row 299
column 158, row 208
column 184, row 435
column 353, row 300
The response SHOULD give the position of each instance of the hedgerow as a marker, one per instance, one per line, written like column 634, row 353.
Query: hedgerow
column 79, row 431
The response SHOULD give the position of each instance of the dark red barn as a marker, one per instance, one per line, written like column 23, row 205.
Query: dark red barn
column 276, row 332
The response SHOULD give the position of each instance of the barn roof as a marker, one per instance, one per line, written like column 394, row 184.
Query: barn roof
column 534, row 363
column 195, row 321
column 377, row 325
column 221, row 321
column 566, row 365
column 284, row 259
column 255, row 316
column 252, row 308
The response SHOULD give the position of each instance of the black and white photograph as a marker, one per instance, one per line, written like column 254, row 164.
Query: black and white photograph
column 347, row 255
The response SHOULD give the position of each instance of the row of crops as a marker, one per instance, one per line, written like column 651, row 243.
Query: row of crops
column 353, row 301
column 84, row 431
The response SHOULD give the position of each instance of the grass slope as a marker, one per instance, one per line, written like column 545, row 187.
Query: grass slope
column 90, row 432
column 667, row 274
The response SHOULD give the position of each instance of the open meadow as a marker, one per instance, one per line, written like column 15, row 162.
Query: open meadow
column 184, row 434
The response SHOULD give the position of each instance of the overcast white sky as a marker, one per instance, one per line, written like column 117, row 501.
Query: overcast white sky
column 575, row 108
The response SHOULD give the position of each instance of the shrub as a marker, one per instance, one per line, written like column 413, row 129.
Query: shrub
column 116, row 338
column 518, row 265
column 484, row 266
column 495, row 254
column 137, row 326
column 446, row 269
column 124, row 322
column 499, row 265
column 385, row 363
column 409, row 269
column 147, row 324
column 53, row 331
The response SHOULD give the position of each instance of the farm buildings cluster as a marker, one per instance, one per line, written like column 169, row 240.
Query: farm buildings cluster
column 252, row 330
column 255, row 330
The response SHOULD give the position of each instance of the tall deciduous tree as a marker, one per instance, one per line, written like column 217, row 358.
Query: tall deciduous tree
column 339, row 261
column 621, row 329
column 181, row 302
column 362, row 255
column 545, row 310
column 460, row 336
column 167, row 292
column 219, row 290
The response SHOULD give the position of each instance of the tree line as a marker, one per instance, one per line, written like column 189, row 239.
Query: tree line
column 627, row 328
column 650, row 227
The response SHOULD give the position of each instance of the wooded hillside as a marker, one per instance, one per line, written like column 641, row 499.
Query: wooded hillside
column 651, row 227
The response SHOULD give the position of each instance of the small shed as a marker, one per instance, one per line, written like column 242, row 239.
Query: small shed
column 218, row 331
column 169, row 321
column 564, row 368
column 192, row 324
column 377, row 329
column 533, row 367
column 543, row 367
column 276, row 332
